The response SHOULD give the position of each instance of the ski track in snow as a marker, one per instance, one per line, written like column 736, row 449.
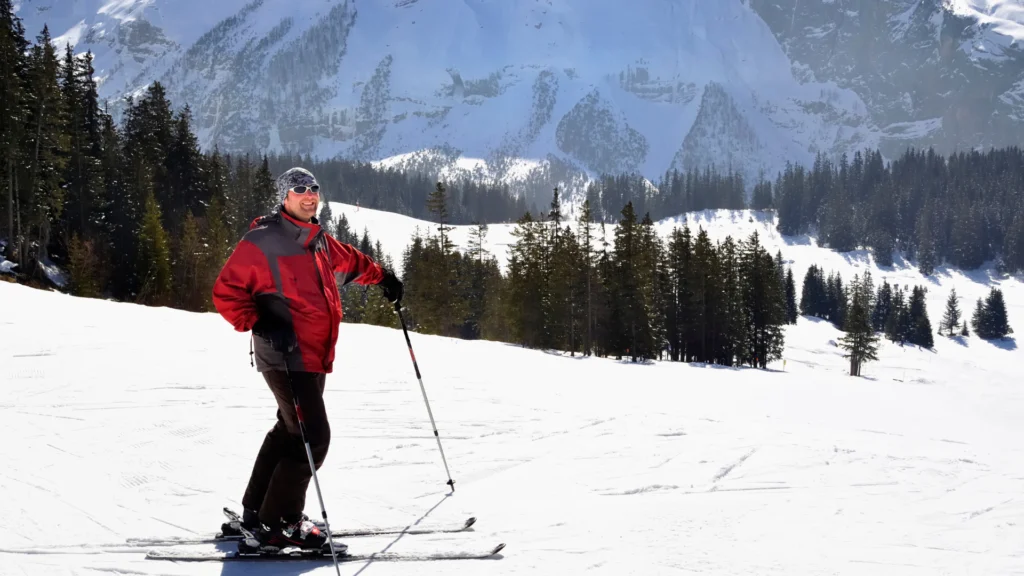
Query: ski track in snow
column 145, row 422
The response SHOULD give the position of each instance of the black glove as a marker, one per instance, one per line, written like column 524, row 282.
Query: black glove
column 391, row 286
column 280, row 335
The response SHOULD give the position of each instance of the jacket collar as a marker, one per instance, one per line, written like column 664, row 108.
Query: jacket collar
column 302, row 232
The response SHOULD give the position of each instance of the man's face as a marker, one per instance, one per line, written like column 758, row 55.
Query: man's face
column 302, row 206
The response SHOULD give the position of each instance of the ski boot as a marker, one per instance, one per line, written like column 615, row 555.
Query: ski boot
column 302, row 534
column 233, row 527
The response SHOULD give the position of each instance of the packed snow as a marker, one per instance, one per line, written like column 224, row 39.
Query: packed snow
column 1005, row 17
column 126, row 421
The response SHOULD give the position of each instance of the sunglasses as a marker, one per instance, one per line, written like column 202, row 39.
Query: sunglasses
column 302, row 189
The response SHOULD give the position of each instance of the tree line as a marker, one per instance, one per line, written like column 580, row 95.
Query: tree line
column 675, row 193
column 964, row 209
column 578, row 287
column 864, row 314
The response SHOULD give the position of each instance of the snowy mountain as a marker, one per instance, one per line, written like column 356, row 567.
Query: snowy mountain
column 942, row 73
column 544, row 91
column 128, row 421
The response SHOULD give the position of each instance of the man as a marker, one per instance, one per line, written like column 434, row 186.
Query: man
column 280, row 283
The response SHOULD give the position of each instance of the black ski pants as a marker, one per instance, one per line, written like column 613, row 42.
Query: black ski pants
column 281, row 475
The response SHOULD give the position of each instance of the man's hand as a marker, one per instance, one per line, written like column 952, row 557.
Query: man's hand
column 281, row 336
column 391, row 286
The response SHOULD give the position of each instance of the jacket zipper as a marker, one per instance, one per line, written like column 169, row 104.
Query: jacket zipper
column 323, row 289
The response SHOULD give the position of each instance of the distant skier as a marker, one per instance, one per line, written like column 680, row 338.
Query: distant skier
column 280, row 283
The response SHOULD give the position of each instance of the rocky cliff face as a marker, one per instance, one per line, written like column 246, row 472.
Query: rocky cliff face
column 931, row 72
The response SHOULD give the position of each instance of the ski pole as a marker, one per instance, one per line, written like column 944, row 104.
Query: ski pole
column 312, row 466
column 398, row 308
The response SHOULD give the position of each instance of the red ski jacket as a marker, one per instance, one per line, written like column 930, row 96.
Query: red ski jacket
column 286, row 268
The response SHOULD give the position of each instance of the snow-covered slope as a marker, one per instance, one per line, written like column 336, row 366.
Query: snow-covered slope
column 395, row 231
column 125, row 421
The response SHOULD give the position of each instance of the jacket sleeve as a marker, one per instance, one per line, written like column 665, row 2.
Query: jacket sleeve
column 353, row 265
column 236, row 286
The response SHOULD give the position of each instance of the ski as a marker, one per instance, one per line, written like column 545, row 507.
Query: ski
column 299, row 554
column 234, row 518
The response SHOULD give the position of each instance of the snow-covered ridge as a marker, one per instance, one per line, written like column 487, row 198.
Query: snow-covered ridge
column 1005, row 17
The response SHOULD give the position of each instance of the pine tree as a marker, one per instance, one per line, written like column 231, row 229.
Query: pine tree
column 326, row 216
column 219, row 240
column 586, row 250
column 414, row 267
column 493, row 323
column 116, row 229
column 762, row 195
column 951, row 319
column 729, row 312
column 898, row 324
column 603, row 298
column 13, row 69
column 920, row 326
column 990, row 319
column 1013, row 243
column 651, row 283
column 476, row 270
column 477, row 238
column 186, row 191
column 705, row 283
column 441, row 286
column 926, row 244
column 762, row 295
column 85, row 268
column 187, row 267
column 813, row 298
column 264, row 193
column 978, row 319
column 996, row 306
column 860, row 340
column 154, row 257
column 629, row 276
column 437, row 204
column 231, row 206
column 377, row 310
column 791, row 297
column 343, row 232
column 835, row 300
column 82, row 178
column 679, row 318
column 45, row 152
column 883, row 307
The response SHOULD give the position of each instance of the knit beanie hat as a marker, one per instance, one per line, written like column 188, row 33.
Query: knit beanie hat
column 292, row 178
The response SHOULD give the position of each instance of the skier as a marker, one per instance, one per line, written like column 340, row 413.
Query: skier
column 280, row 283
